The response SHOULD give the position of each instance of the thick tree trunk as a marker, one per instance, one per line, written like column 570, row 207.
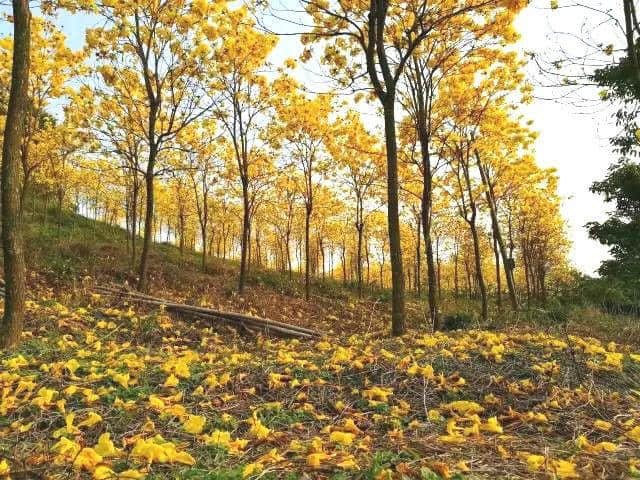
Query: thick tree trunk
column 393, row 218
column 12, row 241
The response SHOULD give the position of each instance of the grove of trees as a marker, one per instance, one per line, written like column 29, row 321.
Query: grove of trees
column 176, row 123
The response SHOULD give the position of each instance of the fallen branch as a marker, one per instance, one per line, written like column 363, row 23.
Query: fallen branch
column 236, row 319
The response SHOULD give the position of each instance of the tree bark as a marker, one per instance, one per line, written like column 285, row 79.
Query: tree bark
column 12, row 240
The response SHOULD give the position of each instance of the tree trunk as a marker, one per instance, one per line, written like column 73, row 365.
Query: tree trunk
column 467, row 276
column 418, row 280
column 359, row 259
column 245, row 238
column 344, row 263
column 12, row 241
column 288, row 252
column 495, row 225
column 367, row 258
column 478, row 265
column 203, row 234
column 498, row 280
column 149, row 182
column 181, row 226
column 439, row 269
column 393, row 218
column 307, row 227
column 134, row 220
column 456, row 287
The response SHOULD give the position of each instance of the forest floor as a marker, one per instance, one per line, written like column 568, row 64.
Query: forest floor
column 110, row 393
column 108, row 390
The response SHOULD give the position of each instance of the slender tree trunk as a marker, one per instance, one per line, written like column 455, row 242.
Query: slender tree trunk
column 498, row 279
column 359, row 259
column 439, row 269
column 148, row 234
column 497, row 234
column 149, row 214
column 467, row 272
column 526, row 274
column 322, row 257
column 425, row 205
column 288, row 252
column 393, row 218
column 60, row 195
column 456, row 284
column 478, row 266
column 224, row 244
column 344, row 263
column 203, row 234
column 12, row 240
column 245, row 237
column 134, row 220
column 368, row 260
column 418, row 281
column 182, row 227
column 307, row 255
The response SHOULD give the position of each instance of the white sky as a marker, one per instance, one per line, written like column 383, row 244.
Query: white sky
column 573, row 140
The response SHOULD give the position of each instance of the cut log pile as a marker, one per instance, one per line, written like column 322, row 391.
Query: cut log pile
column 239, row 320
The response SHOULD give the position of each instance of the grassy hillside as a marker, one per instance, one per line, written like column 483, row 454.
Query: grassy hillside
column 71, row 251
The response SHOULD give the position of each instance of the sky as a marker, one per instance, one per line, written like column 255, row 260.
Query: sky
column 572, row 139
